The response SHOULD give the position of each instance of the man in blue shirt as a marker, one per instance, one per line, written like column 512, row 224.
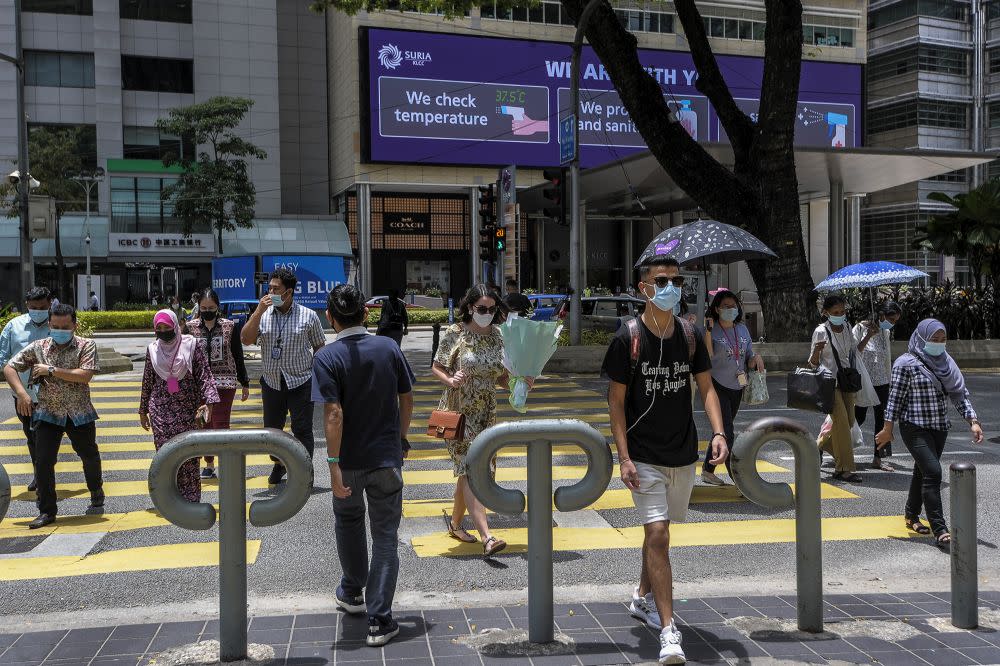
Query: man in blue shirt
column 19, row 333
column 365, row 385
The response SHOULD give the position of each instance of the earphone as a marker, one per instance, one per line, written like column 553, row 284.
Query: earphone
column 658, row 362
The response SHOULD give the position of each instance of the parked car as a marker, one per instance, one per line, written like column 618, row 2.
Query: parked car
column 544, row 306
column 604, row 312
column 376, row 303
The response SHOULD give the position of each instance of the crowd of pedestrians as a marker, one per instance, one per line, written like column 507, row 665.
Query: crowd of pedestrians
column 194, row 369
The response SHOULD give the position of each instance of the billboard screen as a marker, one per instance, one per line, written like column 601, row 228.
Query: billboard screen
column 232, row 278
column 316, row 275
column 439, row 98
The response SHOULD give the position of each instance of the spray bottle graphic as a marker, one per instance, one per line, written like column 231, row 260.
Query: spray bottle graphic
column 688, row 118
column 838, row 129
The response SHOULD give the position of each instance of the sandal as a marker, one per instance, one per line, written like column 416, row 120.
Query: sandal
column 492, row 546
column 458, row 533
column 913, row 524
column 881, row 465
column 943, row 541
column 850, row 477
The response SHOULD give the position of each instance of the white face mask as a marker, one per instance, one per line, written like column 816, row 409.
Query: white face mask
column 482, row 320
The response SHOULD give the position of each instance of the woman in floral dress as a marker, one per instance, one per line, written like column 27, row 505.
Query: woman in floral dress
column 469, row 363
column 177, row 389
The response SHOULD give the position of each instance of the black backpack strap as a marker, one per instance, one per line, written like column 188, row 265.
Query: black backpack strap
column 688, row 329
column 634, row 347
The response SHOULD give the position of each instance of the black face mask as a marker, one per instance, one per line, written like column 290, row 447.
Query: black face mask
column 166, row 336
column 209, row 315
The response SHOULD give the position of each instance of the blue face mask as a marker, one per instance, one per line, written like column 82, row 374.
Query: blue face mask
column 276, row 300
column 666, row 298
column 677, row 310
column 61, row 337
column 934, row 348
column 729, row 314
column 837, row 320
column 38, row 316
column 886, row 325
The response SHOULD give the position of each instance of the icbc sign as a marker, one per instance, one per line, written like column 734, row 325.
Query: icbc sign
column 143, row 242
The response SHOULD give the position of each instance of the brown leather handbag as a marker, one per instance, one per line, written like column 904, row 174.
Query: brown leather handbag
column 446, row 425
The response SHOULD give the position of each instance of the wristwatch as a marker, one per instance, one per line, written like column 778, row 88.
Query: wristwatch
column 52, row 370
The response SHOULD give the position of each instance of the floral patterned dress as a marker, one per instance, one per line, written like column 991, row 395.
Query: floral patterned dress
column 480, row 357
column 173, row 414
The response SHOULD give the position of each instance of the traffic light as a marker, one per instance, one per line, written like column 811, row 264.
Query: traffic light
column 487, row 223
column 501, row 240
column 556, row 194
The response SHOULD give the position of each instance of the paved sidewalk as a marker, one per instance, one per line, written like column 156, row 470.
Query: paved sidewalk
column 604, row 633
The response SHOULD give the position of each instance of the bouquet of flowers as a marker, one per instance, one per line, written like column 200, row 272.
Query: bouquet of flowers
column 528, row 345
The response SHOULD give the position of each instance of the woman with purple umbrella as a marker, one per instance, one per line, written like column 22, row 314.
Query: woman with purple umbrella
column 923, row 381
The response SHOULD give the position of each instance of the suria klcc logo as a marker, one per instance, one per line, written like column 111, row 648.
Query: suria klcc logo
column 391, row 57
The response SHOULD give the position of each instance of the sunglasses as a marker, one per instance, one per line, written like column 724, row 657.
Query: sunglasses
column 483, row 310
column 662, row 281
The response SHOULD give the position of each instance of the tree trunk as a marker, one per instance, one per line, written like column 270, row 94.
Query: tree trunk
column 61, row 268
column 760, row 193
column 219, row 229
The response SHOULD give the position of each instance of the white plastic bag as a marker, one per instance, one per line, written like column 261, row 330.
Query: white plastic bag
column 756, row 390
column 857, row 439
column 866, row 397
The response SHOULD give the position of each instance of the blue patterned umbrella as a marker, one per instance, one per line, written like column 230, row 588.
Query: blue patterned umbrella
column 870, row 274
column 713, row 241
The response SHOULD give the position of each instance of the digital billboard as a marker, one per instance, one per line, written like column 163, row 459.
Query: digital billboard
column 316, row 275
column 440, row 98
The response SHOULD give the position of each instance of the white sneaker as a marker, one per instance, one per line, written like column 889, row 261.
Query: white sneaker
column 711, row 479
column 644, row 608
column 670, row 646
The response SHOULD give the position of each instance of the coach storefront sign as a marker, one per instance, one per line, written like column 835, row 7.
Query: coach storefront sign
column 161, row 244
column 406, row 223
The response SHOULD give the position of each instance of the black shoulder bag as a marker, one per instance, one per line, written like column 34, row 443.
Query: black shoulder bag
column 848, row 379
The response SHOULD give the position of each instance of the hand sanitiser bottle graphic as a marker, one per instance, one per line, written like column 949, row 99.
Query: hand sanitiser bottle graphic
column 688, row 119
column 838, row 129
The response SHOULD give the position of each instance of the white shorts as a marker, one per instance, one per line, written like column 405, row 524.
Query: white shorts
column 664, row 492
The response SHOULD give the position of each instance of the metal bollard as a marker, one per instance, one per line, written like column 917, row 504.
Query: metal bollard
column 808, row 530
column 231, row 448
column 539, row 436
column 435, row 340
column 964, row 545
column 4, row 492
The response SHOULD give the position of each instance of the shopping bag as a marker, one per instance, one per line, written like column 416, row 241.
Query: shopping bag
column 811, row 390
column 756, row 391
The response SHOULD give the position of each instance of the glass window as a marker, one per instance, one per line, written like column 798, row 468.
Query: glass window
column 994, row 63
column 59, row 69
column 551, row 13
column 994, row 115
column 746, row 30
column 137, row 205
column 635, row 21
column 174, row 11
column 157, row 74
column 536, row 14
column 78, row 7
column 949, row 115
column 947, row 9
column 519, row 13
column 488, row 11
column 732, row 28
column 758, row 31
column 716, row 27
column 927, row 113
column 892, row 116
column 808, row 36
column 847, row 37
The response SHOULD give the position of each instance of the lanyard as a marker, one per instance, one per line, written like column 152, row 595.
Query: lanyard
column 735, row 346
column 284, row 324
column 170, row 370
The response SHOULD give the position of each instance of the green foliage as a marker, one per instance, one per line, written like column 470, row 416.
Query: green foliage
column 118, row 321
column 215, row 187
column 54, row 154
column 122, row 306
column 415, row 316
column 588, row 337
column 971, row 230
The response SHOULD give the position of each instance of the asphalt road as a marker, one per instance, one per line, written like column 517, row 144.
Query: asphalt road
column 115, row 564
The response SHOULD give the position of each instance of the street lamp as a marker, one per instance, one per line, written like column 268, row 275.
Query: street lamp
column 88, row 180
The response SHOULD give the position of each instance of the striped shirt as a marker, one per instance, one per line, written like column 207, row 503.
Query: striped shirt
column 296, row 333
column 916, row 398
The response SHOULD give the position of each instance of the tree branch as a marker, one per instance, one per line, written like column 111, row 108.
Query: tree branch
column 779, row 90
column 710, row 82
column 716, row 188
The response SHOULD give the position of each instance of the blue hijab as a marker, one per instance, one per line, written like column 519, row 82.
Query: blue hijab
column 941, row 369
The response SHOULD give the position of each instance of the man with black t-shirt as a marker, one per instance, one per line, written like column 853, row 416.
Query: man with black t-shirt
column 650, row 363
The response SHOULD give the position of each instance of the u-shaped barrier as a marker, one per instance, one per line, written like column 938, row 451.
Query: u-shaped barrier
column 231, row 448
column 805, row 499
column 539, row 436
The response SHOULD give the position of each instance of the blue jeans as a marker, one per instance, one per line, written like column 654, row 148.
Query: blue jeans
column 384, row 488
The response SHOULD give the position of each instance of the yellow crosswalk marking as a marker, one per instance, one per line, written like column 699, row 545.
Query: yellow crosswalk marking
column 149, row 558
column 621, row 498
column 125, row 488
column 87, row 524
column 715, row 533
column 133, row 417
column 118, row 465
column 425, row 384
column 112, row 431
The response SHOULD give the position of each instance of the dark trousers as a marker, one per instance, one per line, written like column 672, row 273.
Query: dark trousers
column 729, row 400
column 29, row 434
column 297, row 402
column 394, row 333
column 384, row 490
column 926, row 447
column 860, row 413
column 48, row 437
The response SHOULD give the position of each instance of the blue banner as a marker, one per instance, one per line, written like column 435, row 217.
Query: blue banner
column 317, row 275
column 232, row 278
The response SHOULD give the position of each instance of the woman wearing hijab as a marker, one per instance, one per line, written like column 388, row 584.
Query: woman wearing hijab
column 923, row 380
column 177, row 389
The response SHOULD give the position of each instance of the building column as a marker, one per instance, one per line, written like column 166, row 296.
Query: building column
column 853, row 209
column 818, row 252
column 583, row 244
column 628, row 252
column 836, row 226
column 477, row 264
column 539, row 225
column 364, row 213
